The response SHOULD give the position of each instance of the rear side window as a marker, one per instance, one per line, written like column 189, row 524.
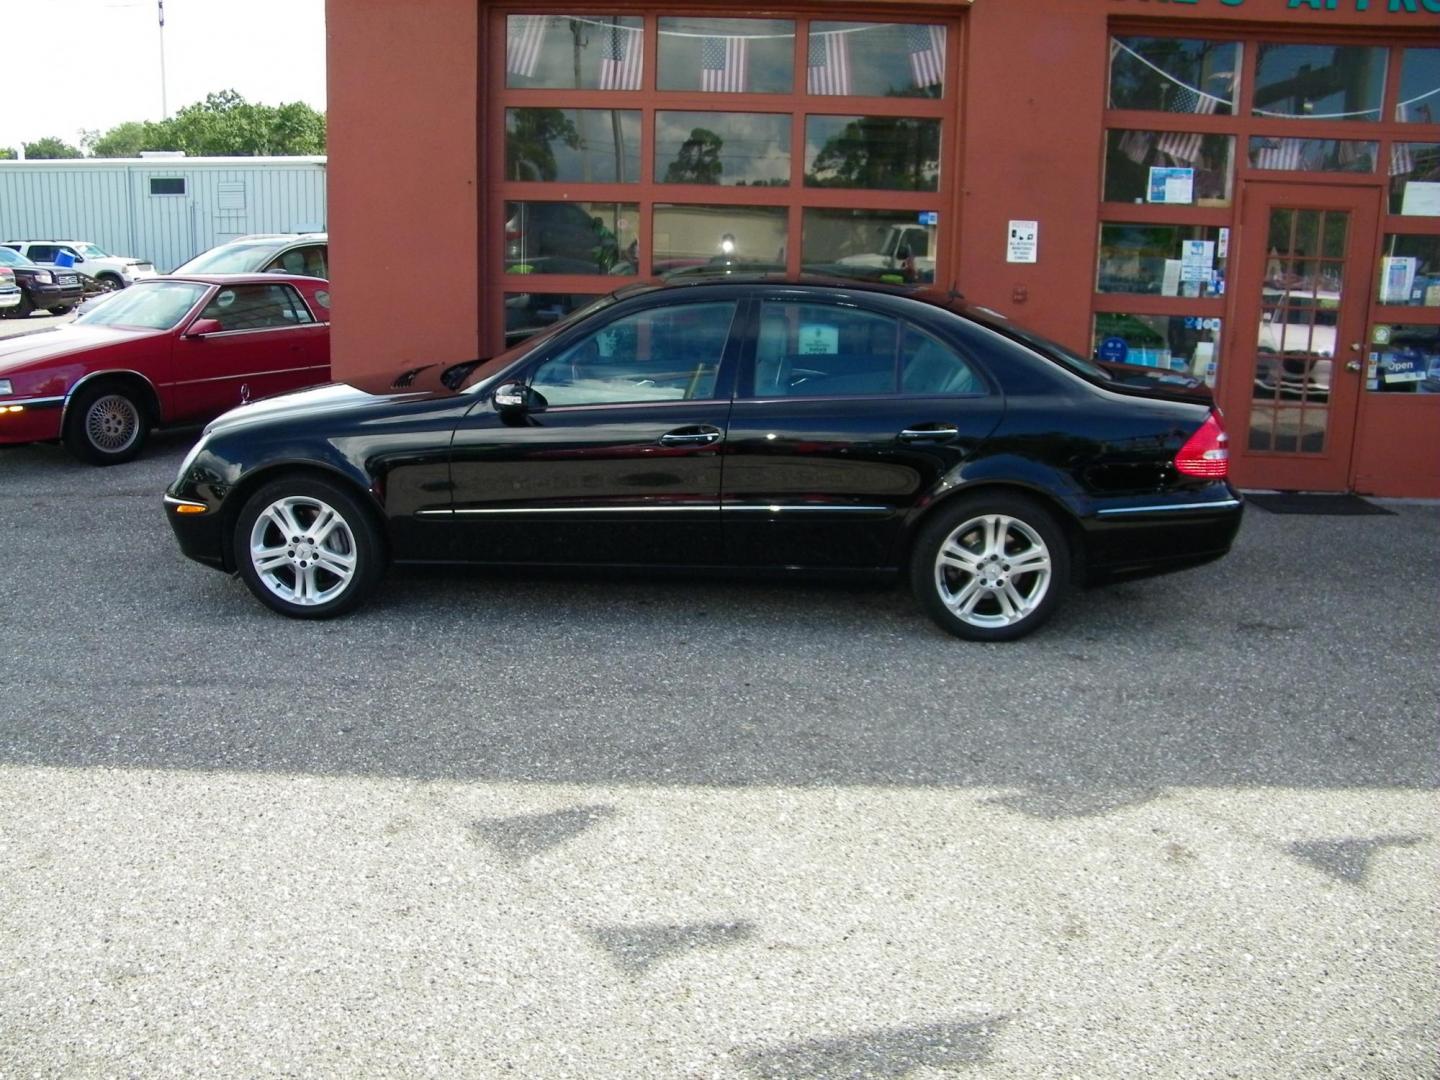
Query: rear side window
column 663, row 354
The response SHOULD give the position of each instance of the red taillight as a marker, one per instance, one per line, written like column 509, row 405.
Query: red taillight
column 1207, row 452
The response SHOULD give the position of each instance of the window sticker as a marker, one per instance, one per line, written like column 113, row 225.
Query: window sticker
column 1170, row 185
column 818, row 339
column 225, row 297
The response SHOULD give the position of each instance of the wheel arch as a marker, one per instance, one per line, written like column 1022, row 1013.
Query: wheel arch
column 149, row 396
column 1064, row 516
column 253, row 481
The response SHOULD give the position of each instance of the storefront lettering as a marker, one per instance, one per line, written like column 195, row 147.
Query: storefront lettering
column 1384, row 7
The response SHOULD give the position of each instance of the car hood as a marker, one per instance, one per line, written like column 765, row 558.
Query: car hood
column 327, row 400
column 59, row 342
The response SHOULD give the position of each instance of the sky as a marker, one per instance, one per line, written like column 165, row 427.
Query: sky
column 98, row 61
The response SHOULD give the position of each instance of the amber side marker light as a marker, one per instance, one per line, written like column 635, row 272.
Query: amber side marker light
column 189, row 508
column 12, row 408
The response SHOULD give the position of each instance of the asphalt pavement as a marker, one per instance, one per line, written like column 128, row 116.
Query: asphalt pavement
column 567, row 826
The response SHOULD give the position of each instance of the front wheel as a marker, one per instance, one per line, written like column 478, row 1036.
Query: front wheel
column 109, row 283
column 307, row 548
column 59, row 310
column 991, row 568
column 106, row 424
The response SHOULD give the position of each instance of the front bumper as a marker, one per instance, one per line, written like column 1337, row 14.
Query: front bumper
column 9, row 298
column 197, row 527
column 27, row 420
column 49, row 296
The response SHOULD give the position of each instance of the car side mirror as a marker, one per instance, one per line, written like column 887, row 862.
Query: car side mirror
column 514, row 398
column 200, row 327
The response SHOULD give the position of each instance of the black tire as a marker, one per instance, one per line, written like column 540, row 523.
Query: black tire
column 24, row 308
column 59, row 310
column 982, row 591
column 109, row 282
column 107, row 423
column 308, row 562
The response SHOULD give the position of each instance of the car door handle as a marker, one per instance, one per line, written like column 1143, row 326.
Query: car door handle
column 690, row 436
column 921, row 433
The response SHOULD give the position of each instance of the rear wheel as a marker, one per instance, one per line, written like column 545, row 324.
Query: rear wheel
column 991, row 568
column 109, row 282
column 307, row 548
column 107, row 424
column 24, row 308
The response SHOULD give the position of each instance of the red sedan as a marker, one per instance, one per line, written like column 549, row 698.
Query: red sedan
column 171, row 350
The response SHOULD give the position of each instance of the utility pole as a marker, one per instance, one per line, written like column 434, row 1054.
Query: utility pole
column 164, row 104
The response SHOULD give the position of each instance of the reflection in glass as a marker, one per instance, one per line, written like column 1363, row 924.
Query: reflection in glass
column 1313, row 155
column 886, row 245
column 1407, row 362
column 1178, row 75
column 894, row 153
column 573, row 145
column 1415, row 179
column 526, row 314
column 691, row 240
column 806, row 350
column 730, row 56
column 581, row 52
column 1131, row 155
column 1410, row 271
column 876, row 59
column 1419, row 87
column 1162, row 259
column 1319, row 82
column 722, row 148
column 1185, row 344
column 570, row 238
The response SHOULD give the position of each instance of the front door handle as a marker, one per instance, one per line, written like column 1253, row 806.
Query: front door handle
column 929, row 431
column 690, row 436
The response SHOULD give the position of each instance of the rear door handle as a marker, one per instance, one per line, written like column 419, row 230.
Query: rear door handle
column 936, row 431
column 690, row 436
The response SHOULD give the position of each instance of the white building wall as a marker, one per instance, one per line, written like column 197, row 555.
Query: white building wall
column 108, row 201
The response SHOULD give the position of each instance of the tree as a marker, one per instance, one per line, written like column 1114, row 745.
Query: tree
column 698, row 161
column 50, row 148
column 530, row 138
column 7, row 153
column 223, row 125
column 128, row 139
column 880, row 152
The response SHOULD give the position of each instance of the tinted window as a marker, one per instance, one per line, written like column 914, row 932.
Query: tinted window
column 807, row 350
column 165, row 185
column 42, row 253
column 665, row 354
column 309, row 261
column 256, row 307
column 928, row 367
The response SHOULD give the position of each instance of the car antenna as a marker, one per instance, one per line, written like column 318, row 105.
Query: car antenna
column 955, row 293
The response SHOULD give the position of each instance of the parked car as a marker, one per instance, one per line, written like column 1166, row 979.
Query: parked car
column 9, row 290
column 265, row 253
column 168, row 350
column 754, row 425
column 52, row 290
column 108, row 272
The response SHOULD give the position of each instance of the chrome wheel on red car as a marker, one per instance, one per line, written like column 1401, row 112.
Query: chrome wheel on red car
column 106, row 425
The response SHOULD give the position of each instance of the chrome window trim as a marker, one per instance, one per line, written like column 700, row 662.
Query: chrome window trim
column 247, row 375
column 767, row 508
column 34, row 402
column 1226, row 504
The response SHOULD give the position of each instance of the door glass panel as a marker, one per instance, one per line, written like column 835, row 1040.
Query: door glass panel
column 1419, row 87
column 876, row 153
column 1313, row 155
column 722, row 148
column 1415, row 179
column 709, row 239
column 570, row 237
column 1410, row 271
column 1178, row 75
column 664, row 354
column 730, row 56
column 583, row 146
column 876, row 59
column 577, row 52
column 1406, row 361
column 816, row 350
column 889, row 245
column 1133, row 157
column 1296, row 341
column 1319, row 82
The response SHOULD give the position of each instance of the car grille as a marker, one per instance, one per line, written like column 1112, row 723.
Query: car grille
column 67, row 279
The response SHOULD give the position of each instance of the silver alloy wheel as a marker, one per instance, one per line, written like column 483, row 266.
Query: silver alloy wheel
column 303, row 550
column 993, row 571
column 112, row 423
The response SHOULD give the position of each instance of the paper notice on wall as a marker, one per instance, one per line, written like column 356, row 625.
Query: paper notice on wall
column 1397, row 275
column 1197, row 259
column 1175, row 187
column 1222, row 249
column 1024, row 242
column 1170, row 283
column 1421, row 199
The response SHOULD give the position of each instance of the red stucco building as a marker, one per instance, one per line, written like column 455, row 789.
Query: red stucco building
column 1245, row 190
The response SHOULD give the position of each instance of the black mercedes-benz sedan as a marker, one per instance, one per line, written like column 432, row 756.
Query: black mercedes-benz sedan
column 790, row 425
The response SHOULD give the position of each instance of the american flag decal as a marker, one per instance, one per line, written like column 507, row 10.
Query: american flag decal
column 828, row 71
column 622, row 58
column 723, row 64
column 926, row 46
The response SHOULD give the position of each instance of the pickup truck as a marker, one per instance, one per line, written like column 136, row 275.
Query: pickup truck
column 908, row 250
column 53, row 290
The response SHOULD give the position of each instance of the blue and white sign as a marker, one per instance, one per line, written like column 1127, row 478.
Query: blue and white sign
column 930, row 217
column 1175, row 187
column 1114, row 350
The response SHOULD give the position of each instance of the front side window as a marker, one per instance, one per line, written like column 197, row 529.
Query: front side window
column 664, row 354
column 154, row 306
column 256, row 307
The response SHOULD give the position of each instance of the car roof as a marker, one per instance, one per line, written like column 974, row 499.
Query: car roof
column 951, row 300
column 235, row 279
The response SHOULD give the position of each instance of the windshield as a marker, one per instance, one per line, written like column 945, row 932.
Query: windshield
column 13, row 258
column 486, row 368
column 157, row 306
column 90, row 251
column 230, row 259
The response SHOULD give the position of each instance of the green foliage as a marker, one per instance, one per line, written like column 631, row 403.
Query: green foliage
column 7, row 153
column 529, row 138
column 223, row 125
column 50, row 148
column 880, row 153
column 698, row 161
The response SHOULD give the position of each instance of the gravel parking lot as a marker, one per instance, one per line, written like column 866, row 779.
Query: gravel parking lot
column 500, row 825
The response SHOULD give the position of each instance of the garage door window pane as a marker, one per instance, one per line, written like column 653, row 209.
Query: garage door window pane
column 1132, row 159
column 1187, row 345
column 1313, row 155
column 727, row 56
column 690, row 240
column 570, row 238
column 1410, row 271
column 580, row 52
column 1178, row 75
column 876, row 153
column 886, row 245
column 722, row 148
column 1419, row 87
column 876, row 59
column 584, row 146
column 1162, row 260
column 1319, row 82
column 1415, row 179
column 526, row 314
column 665, row 354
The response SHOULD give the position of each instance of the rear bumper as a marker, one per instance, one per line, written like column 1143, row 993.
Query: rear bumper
column 1141, row 537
